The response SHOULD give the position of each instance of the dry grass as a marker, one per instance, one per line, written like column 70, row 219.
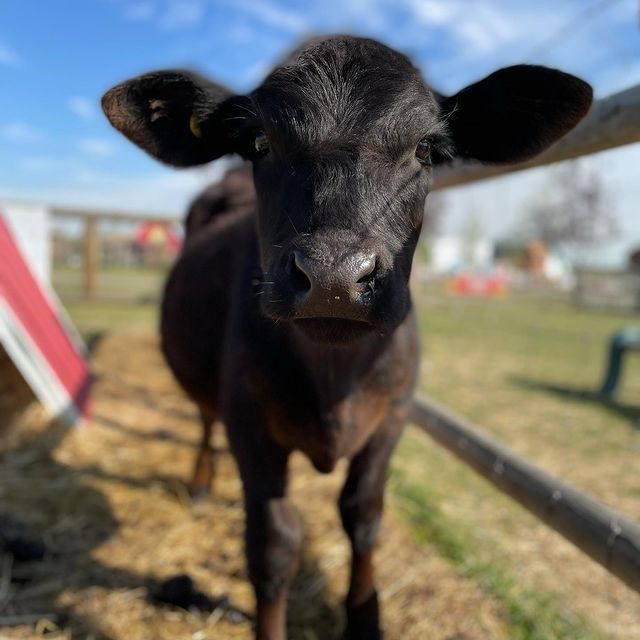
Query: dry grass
column 526, row 370
column 109, row 501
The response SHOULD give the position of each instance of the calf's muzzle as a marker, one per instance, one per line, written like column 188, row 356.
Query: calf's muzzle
column 333, row 288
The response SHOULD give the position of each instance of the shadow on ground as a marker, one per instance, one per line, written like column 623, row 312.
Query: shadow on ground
column 57, row 504
column 72, row 519
column 110, row 504
column 629, row 412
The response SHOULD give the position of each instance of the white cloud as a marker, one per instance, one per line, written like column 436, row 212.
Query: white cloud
column 240, row 33
column 9, row 57
column 368, row 15
column 19, row 131
column 140, row 11
column 481, row 36
column 86, row 175
column 437, row 12
column 38, row 163
column 167, row 15
column 274, row 16
column 96, row 147
column 182, row 13
column 82, row 107
column 163, row 191
column 476, row 36
column 477, row 29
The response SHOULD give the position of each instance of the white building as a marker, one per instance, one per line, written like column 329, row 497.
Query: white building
column 451, row 253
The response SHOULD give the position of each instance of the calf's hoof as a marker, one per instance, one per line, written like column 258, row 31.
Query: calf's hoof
column 363, row 620
column 199, row 493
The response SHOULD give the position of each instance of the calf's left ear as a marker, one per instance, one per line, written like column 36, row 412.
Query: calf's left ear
column 177, row 117
column 515, row 113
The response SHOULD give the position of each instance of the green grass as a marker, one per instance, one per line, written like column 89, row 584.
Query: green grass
column 525, row 369
column 127, row 297
column 528, row 370
column 92, row 318
column 115, row 282
column 530, row 615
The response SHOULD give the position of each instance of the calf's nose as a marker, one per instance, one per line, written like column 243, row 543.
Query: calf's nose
column 332, row 288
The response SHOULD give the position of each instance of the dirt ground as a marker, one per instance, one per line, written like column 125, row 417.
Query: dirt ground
column 109, row 501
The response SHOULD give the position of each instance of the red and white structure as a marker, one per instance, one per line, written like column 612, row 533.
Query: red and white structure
column 34, row 329
column 156, row 234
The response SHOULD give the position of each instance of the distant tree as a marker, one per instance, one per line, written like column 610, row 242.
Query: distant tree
column 575, row 210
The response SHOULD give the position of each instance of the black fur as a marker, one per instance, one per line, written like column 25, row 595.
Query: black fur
column 290, row 318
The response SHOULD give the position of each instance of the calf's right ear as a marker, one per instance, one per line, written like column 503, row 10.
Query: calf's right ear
column 177, row 117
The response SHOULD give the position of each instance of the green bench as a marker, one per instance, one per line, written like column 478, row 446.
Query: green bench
column 625, row 340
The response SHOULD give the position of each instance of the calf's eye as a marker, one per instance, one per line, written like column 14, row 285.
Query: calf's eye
column 261, row 143
column 423, row 150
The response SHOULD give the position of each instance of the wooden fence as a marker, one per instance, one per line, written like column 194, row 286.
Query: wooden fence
column 91, row 245
column 618, row 291
column 609, row 538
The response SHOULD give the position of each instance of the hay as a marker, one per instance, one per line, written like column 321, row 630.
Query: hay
column 109, row 502
column 15, row 394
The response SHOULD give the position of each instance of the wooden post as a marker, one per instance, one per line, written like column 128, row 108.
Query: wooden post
column 91, row 256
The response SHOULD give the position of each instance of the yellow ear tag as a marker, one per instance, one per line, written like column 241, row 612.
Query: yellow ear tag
column 194, row 125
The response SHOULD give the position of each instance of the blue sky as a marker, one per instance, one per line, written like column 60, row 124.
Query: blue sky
column 57, row 58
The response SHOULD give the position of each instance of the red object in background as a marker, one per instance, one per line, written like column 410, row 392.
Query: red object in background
column 34, row 334
column 473, row 284
column 158, row 234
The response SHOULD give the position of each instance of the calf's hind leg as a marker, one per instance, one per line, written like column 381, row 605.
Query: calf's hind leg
column 361, row 502
column 200, row 483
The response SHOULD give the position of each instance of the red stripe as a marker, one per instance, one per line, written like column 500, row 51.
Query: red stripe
column 27, row 301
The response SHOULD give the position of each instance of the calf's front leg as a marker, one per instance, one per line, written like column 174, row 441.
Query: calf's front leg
column 361, row 503
column 273, row 534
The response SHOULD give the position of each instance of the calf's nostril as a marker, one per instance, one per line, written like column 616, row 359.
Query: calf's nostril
column 298, row 273
column 366, row 270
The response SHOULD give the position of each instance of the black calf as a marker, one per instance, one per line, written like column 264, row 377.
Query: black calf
column 291, row 320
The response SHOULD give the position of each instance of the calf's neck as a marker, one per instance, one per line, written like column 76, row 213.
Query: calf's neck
column 288, row 315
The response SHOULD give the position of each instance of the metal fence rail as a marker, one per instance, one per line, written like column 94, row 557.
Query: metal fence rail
column 603, row 534
column 612, row 122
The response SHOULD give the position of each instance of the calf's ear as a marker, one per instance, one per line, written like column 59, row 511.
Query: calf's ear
column 515, row 113
column 177, row 117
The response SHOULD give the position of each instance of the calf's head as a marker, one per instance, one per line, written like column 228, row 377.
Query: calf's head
column 344, row 136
